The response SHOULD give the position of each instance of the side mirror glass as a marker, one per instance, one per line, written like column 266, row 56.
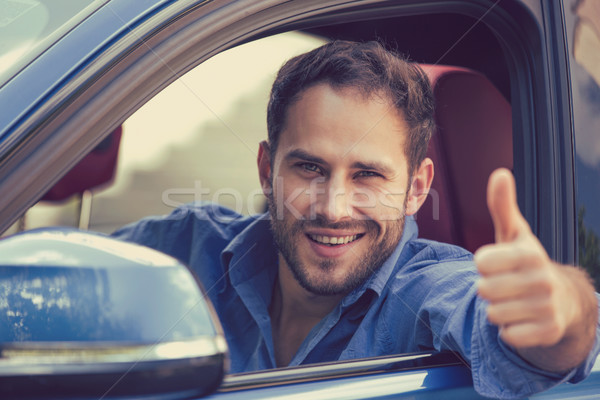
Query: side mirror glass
column 83, row 315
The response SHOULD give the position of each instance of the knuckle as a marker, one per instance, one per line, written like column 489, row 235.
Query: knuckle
column 533, row 260
column 549, row 339
column 523, row 249
column 553, row 332
column 493, row 314
column 510, row 337
column 542, row 283
column 545, row 308
column 485, row 261
column 484, row 289
column 529, row 256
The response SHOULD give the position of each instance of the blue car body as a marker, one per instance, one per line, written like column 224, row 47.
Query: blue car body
column 79, row 82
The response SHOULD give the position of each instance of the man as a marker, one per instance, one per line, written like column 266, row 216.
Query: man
column 335, row 270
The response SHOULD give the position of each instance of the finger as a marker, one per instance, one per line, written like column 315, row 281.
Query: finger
column 502, row 203
column 512, row 286
column 506, row 257
column 519, row 311
column 507, row 287
column 501, row 288
column 533, row 334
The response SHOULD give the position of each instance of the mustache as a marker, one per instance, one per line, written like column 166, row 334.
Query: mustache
column 321, row 222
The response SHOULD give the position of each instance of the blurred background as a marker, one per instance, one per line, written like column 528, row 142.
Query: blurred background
column 196, row 140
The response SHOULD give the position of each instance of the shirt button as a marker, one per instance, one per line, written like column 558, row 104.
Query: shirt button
column 492, row 366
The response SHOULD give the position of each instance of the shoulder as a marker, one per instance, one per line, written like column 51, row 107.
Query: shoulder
column 433, row 283
column 187, row 224
column 419, row 253
column 426, row 265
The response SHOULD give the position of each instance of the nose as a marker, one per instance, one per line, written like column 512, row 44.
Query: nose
column 332, row 199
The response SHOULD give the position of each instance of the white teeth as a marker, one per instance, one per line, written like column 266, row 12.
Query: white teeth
column 333, row 239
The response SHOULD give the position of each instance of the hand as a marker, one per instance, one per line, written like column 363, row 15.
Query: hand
column 535, row 302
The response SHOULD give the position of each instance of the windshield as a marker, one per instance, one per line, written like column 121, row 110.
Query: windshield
column 29, row 27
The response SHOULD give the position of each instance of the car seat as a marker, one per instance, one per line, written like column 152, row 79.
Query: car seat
column 95, row 170
column 473, row 138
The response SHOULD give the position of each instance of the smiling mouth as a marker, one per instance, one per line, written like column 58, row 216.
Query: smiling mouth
column 334, row 240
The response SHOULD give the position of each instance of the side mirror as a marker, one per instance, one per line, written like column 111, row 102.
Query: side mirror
column 83, row 315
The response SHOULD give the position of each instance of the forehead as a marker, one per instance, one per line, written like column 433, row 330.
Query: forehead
column 345, row 123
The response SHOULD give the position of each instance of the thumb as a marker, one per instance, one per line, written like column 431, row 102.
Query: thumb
column 502, row 203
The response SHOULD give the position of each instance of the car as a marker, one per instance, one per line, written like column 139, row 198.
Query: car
column 516, row 84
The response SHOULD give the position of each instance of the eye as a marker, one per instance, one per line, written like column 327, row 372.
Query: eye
column 310, row 167
column 368, row 174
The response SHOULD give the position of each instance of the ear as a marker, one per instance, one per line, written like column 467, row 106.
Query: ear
column 419, row 187
column 264, row 166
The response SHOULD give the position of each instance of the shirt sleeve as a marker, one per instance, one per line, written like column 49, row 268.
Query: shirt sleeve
column 494, row 364
column 497, row 370
column 441, row 286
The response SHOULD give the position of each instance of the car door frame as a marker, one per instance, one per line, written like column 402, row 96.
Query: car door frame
column 155, row 46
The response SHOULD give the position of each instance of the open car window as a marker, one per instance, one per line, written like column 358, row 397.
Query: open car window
column 196, row 140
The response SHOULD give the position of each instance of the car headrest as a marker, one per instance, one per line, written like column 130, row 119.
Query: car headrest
column 94, row 170
column 473, row 138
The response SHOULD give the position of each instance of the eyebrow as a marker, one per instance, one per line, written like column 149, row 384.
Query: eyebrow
column 306, row 156
column 373, row 166
column 366, row 165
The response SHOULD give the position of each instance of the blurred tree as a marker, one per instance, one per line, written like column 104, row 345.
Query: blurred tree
column 589, row 249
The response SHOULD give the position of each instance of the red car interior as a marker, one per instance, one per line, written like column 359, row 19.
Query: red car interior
column 473, row 137
column 94, row 170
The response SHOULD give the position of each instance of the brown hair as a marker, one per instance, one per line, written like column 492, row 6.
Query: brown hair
column 367, row 67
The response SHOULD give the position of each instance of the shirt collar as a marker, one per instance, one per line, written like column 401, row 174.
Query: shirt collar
column 250, row 251
column 253, row 250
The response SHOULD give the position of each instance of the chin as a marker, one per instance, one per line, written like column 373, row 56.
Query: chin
column 324, row 284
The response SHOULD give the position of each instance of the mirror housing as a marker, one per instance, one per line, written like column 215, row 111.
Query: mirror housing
column 84, row 315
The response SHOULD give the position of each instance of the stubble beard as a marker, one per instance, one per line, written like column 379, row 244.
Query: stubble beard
column 364, row 266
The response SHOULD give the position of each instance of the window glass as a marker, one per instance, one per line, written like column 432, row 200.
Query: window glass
column 583, row 39
column 28, row 27
column 197, row 140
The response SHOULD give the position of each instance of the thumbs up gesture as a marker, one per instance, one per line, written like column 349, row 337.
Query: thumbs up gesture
column 546, row 311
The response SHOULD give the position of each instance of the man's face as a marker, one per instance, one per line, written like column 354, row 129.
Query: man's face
column 339, row 180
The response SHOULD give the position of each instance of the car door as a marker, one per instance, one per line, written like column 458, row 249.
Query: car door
column 105, row 68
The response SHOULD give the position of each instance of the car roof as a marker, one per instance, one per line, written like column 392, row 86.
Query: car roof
column 29, row 27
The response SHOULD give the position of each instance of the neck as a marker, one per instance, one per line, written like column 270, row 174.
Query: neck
column 297, row 303
column 294, row 312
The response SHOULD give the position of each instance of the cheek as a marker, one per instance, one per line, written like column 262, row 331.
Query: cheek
column 364, row 199
column 393, row 207
column 292, row 194
column 380, row 205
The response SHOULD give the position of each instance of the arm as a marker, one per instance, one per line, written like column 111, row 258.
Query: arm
column 546, row 311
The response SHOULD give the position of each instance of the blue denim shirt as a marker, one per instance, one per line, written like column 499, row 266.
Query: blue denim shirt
column 423, row 298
